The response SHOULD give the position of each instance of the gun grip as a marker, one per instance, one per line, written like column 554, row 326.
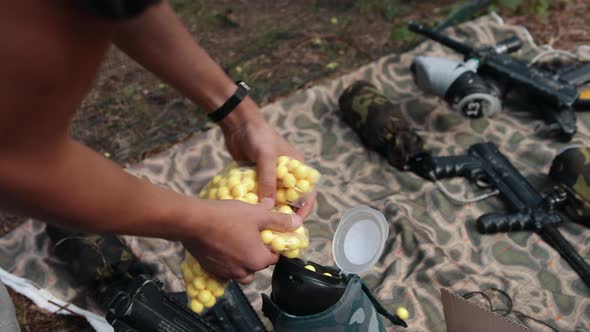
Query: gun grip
column 453, row 166
column 494, row 222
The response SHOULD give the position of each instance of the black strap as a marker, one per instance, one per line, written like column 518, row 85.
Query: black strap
column 506, row 311
column 380, row 309
column 231, row 103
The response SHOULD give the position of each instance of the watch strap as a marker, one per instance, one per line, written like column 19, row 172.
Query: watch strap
column 231, row 103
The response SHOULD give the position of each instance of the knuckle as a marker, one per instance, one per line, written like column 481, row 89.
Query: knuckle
column 267, row 178
column 261, row 264
column 265, row 154
column 240, row 274
column 256, row 264
column 246, row 280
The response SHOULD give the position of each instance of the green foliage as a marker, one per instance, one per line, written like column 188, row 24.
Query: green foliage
column 129, row 92
column 180, row 7
column 402, row 34
column 390, row 9
column 512, row 4
column 183, row 9
column 538, row 8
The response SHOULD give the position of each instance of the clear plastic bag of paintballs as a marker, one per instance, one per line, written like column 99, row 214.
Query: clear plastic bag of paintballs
column 295, row 182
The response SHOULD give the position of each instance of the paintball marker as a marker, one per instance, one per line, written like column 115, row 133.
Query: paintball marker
column 483, row 164
column 142, row 305
column 476, row 86
column 133, row 299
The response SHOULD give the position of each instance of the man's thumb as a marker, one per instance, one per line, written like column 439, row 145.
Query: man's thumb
column 267, row 182
column 282, row 222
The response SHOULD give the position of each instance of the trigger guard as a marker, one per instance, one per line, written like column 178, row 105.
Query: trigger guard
column 482, row 182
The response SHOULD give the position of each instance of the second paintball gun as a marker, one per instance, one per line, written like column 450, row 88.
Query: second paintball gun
column 133, row 299
column 476, row 86
column 486, row 166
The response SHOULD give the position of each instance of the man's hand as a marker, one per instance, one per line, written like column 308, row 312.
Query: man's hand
column 229, row 246
column 254, row 140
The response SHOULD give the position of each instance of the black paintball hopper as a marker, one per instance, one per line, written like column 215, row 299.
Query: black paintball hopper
column 301, row 292
column 357, row 245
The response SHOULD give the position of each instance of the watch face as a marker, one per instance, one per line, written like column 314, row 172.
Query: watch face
column 244, row 85
column 115, row 9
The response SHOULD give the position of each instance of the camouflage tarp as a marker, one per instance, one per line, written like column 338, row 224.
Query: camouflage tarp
column 432, row 243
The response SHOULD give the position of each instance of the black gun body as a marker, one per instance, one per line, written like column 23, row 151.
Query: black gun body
column 502, row 175
column 484, row 162
column 552, row 97
column 555, row 91
column 141, row 305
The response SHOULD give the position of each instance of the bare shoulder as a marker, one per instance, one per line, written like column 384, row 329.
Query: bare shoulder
column 50, row 54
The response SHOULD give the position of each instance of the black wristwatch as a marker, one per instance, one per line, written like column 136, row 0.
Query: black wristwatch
column 231, row 103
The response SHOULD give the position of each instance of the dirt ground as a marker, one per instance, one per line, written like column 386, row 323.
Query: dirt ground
column 277, row 47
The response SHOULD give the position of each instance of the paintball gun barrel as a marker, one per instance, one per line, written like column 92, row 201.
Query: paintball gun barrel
column 509, row 45
column 553, row 96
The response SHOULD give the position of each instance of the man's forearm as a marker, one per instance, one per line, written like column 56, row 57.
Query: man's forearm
column 158, row 40
column 77, row 188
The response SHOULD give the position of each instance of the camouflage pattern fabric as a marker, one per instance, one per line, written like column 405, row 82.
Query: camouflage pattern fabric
column 571, row 170
column 432, row 242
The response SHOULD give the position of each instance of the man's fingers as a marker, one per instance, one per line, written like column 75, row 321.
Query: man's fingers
column 297, row 155
column 267, row 259
column 246, row 280
column 307, row 205
column 267, row 180
column 281, row 222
